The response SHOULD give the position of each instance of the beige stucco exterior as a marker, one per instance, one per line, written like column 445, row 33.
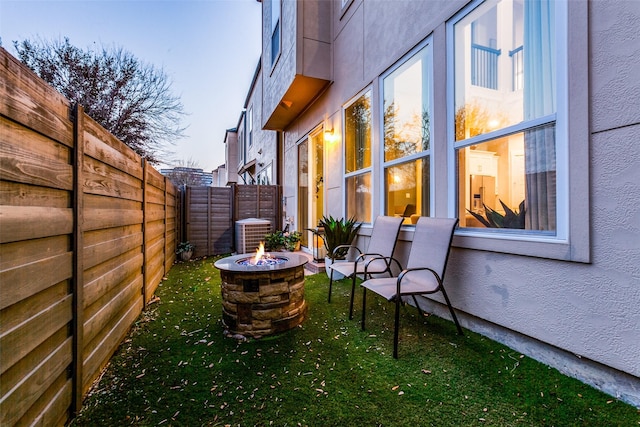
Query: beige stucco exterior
column 571, row 304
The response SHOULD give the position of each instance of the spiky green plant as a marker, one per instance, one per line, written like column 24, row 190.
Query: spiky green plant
column 494, row 219
column 338, row 232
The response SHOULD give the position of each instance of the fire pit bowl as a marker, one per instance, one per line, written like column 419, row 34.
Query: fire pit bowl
column 265, row 298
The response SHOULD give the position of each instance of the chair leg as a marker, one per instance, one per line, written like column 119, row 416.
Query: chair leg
column 396, row 327
column 364, row 304
column 330, row 284
column 453, row 314
column 353, row 291
column 417, row 305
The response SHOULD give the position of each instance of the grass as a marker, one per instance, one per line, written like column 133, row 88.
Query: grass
column 177, row 368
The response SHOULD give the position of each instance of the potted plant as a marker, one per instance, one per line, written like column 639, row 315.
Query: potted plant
column 292, row 240
column 185, row 250
column 338, row 235
column 274, row 241
column 283, row 240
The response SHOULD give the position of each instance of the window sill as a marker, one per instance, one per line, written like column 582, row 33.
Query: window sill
column 518, row 244
column 512, row 244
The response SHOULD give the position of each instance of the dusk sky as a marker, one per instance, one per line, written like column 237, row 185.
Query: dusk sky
column 208, row 48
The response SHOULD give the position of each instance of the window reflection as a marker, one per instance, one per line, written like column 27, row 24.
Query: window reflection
column 358, row 134
column 407, row 188
column 358, row 190
column 357, row 119
column 407, row 137
column 406, row 108
column 505, row 78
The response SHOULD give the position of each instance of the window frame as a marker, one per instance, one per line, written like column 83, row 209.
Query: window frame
column 272, row 31
column 426, row 43
column 572, row 239
column 359, row 172
column 250, row 127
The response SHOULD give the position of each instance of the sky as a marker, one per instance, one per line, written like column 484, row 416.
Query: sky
column 208, row 48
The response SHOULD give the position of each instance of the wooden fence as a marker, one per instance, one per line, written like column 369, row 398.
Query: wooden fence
column 211, row 212
column 87, row 231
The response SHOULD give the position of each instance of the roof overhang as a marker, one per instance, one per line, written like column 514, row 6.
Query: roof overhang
column 302, row 92
column 247, row 167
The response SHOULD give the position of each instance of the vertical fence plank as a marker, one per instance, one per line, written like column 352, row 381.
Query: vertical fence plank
column 166, row 227
column 145, row 178
column 78, row 256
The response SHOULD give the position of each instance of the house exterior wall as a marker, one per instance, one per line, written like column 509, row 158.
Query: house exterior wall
column 230, row 174
column 280, row 76
column 576, row 311
column 257, row 144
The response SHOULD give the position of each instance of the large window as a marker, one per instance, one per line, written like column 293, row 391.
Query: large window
column 505, row 116
column 250, row 127
column 407, row 137
column 357, row 135
column 275, row 30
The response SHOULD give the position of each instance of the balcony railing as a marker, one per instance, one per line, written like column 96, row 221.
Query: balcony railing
column 484, row 66
column 517, row 68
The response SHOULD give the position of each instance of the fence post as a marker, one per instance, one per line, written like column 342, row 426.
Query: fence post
column 145, row 178
column 78, row 265
column 166, row 230
column 209, row 220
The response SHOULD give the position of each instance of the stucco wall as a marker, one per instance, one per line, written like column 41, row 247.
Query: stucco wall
column 587, row 309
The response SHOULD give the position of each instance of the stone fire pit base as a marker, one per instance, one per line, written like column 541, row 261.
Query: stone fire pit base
column 257, row 302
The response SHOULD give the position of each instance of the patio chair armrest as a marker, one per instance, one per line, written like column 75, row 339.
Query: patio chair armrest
column 337, row 248
column 408, row 271
column 387, row 259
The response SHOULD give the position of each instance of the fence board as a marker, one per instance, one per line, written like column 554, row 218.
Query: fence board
column 98, row 281
column 103, row 146
column 32, row 222
column 28, row 100
column 18, row 194
column 108, row 248
column 42, row 325
column 52, row 407
column 100, row 184
column 95, row 219
column 22, row 282
column 107, row 312
column 33, row 145
column 15, row 403
column 97, row 355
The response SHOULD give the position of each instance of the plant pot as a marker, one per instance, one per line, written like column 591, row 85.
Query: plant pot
column 186, row 255
column 327, row 268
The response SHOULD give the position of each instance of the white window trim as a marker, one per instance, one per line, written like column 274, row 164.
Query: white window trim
column 428, row 44
column 362, row 171
column 572, row 239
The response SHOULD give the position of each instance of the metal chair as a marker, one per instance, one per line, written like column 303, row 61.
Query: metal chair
column 384, row 237
column 424, row 273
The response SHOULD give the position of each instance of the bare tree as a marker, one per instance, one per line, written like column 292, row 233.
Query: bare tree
column 185, row 172
column 129, row 98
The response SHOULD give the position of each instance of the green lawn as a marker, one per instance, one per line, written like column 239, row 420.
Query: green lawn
column 177, row 368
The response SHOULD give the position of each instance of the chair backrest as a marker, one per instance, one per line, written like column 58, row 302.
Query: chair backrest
column 432, row 243
column 384, row 235
column 409, row 210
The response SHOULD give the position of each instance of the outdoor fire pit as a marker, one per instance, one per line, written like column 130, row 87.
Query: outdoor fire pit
column 262, row 295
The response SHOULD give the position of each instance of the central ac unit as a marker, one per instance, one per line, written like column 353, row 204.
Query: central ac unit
column 249, row 233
